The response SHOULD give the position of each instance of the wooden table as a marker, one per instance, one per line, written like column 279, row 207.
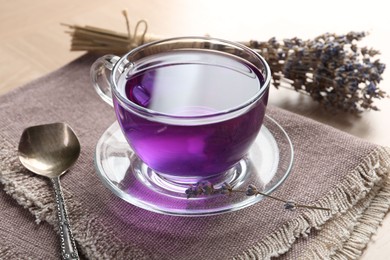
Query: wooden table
column 33, row 43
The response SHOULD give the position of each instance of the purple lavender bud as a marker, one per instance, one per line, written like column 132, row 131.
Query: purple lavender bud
column 206, row 187
column 290, row 205
column 252, row 190
column 371, row 88
column 226, row 188
column 191, row 191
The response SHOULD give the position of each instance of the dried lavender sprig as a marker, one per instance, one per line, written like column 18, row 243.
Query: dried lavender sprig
column 331, row 68
column 207, row 188
column 288, row 204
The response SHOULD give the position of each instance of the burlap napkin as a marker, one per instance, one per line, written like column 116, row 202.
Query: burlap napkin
column 331, row 169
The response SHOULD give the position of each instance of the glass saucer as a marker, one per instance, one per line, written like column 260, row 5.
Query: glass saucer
column 266, row 166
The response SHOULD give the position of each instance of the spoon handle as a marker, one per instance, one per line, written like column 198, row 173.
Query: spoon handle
column 68, row 245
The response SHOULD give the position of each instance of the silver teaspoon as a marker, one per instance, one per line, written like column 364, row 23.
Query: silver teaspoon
column 49, row 150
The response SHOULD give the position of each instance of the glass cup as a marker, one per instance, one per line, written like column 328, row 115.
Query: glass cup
column 189, row 107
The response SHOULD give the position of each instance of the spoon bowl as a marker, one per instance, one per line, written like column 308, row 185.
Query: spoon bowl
column 50, row 150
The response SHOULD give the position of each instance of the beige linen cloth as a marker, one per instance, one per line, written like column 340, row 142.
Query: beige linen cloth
column 331, row 169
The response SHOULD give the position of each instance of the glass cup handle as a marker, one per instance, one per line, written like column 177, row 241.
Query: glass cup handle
column 101, row 76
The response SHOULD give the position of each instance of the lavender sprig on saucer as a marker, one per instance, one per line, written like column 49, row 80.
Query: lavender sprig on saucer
column 206, row 188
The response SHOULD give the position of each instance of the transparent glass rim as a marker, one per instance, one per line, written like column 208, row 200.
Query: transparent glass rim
column 131, row 106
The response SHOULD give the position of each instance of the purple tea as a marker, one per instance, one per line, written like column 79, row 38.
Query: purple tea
column 193, row 134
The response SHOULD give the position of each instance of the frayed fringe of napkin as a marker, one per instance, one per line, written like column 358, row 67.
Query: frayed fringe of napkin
column 6, row 253
column 36, row 194
column 358, row 205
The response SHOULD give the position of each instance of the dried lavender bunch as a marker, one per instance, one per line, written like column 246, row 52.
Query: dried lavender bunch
column 206, row 188
column 331, row 68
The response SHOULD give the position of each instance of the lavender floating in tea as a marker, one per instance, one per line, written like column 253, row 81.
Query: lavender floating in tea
column 332, row 69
